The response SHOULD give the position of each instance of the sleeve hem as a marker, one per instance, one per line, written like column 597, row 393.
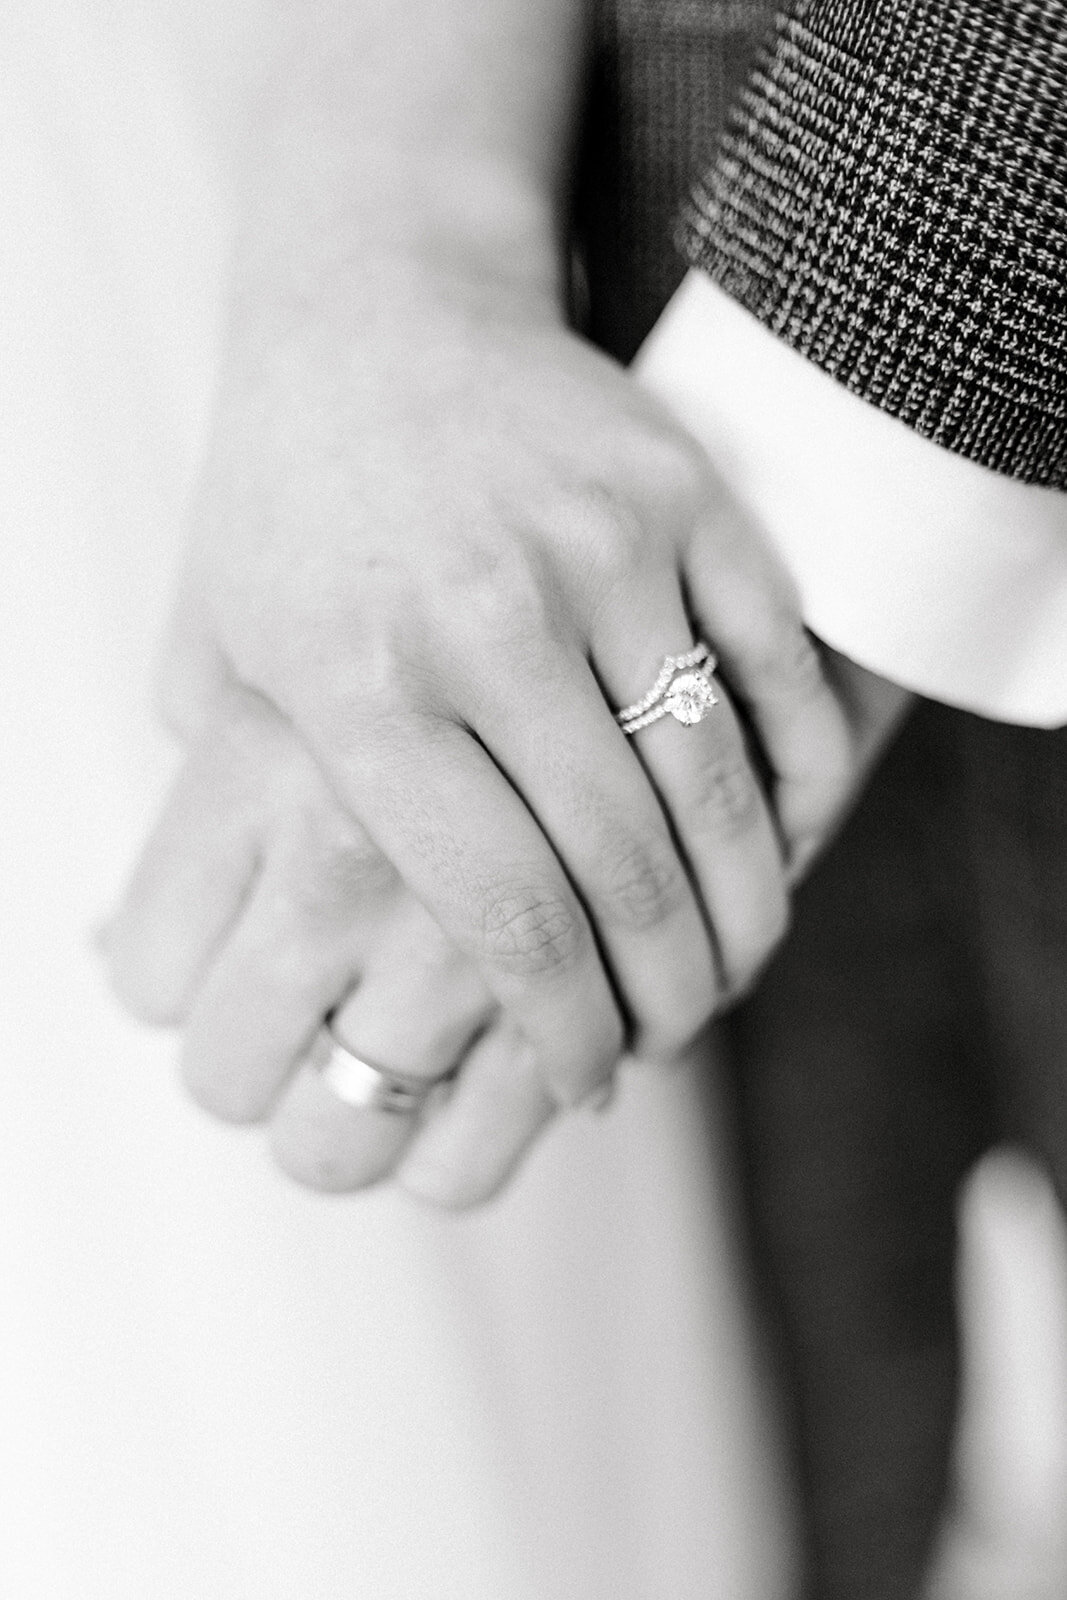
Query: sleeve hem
column 940, row 575
column 890, row 200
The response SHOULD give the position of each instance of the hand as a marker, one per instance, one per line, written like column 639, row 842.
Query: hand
column 257, row 907
column 446, row 543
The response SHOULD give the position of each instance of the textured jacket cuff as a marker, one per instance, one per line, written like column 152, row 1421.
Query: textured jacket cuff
column 891, row 199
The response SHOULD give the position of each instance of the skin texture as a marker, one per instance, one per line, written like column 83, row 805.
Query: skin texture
column 258, row 904
column 437, row 538
column 445, row 576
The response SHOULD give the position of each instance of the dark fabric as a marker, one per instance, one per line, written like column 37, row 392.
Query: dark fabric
column 663, row 73
column 918, row 1011
column 917, row 1015
column 863, row 1092
column 891, row 199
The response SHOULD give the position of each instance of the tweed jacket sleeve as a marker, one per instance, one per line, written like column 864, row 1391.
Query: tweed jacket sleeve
column 890, row 198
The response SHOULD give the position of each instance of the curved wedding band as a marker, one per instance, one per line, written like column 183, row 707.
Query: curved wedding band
column 683, row 690
column 363, row 1084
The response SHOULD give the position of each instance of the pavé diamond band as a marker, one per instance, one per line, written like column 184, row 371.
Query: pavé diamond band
column 683, row 690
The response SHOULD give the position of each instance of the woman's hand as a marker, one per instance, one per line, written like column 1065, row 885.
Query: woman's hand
column 447, row 538
column 258, row 906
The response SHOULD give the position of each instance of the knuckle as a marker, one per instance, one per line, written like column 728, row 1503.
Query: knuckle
column 364, row 698
column 644, row 883
column 530, row 931
column 365, row 664
column 510, row 603
column 609, row 530
column 725, row 800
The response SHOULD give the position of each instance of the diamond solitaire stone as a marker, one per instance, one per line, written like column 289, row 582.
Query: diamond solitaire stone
column 683, row 690
column 690, row 697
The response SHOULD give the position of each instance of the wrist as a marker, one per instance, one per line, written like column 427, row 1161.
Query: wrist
column 403, row 243
column 470, row 232
column 441, row 129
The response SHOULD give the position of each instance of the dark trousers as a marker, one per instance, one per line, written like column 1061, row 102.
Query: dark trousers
column 918, row 1013
column 916, row 1016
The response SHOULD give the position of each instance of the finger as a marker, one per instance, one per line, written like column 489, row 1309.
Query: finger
column 416, row 1011
column 579, row 776
column 743, row 601
column 189, row 884
column 420, row 1001
column 465, row 843
column 473, row 1143
column 288, row 960
column 192, row 677
column 708, row 786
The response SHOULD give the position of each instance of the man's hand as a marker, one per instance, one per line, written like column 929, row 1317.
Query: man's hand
column 257, row 907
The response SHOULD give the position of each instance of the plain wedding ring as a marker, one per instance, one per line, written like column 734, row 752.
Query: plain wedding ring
column 364, row 1084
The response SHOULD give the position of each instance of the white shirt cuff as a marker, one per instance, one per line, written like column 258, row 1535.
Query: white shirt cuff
column 934, row 572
